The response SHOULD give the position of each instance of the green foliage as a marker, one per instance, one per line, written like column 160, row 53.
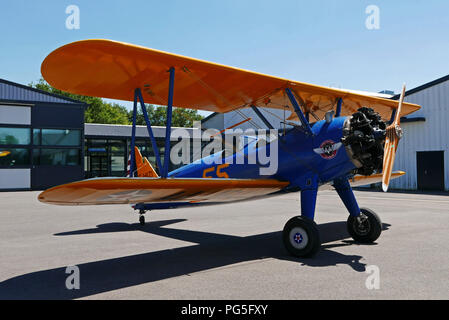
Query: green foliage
column 158, row 116
column 98, row 110
column 9, row 139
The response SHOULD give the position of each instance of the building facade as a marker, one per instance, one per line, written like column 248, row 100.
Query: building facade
column 44, row 141
column 41, row 138
column 107, row 148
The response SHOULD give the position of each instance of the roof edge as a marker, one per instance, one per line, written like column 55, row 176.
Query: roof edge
column 41, row 91
column 213, row 114
column 423, row 87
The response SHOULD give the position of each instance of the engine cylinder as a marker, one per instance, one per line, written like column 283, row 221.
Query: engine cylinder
column 364, row 137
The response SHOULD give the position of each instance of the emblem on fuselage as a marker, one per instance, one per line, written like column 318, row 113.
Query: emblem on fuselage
column 328, row 149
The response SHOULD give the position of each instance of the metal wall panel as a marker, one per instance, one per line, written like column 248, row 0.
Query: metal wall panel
column 15, row 115
column 15, row 179
column 58, row 116
column 43, row 177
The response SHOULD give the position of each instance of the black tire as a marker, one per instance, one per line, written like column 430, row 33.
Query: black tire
column 142, row 220
column 369, row 230
column 301, row 237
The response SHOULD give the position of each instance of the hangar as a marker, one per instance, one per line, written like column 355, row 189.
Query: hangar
column 424, row 150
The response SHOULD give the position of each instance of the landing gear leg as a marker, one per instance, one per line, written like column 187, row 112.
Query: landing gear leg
column 300, row 235
column 363, row 225
column 142, row 217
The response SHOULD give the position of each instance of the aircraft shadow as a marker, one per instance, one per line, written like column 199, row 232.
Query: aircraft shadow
column 211, row 250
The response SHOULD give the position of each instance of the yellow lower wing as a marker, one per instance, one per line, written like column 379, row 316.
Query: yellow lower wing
column 360, row 180
column 146, row 190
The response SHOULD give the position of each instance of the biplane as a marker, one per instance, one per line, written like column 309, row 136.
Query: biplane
column 341, row 138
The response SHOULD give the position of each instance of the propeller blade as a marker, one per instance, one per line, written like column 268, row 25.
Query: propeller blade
column 397, row 119
column 393, row 135
column 391, row 144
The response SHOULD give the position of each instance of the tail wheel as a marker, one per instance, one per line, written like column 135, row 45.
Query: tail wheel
column 366, row 227
column 301, row 237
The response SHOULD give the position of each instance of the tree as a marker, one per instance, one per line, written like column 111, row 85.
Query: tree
column 158, row 116
column 98, row 111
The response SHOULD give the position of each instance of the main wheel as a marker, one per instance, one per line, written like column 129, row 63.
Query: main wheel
column 301, row 237
column 365, row 228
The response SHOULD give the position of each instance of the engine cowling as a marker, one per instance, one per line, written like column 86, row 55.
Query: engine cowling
column 363, row 137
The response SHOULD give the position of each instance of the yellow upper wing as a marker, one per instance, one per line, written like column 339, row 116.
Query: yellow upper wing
column 110, row 69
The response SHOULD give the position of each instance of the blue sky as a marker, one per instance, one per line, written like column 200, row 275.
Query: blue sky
column 323, row 42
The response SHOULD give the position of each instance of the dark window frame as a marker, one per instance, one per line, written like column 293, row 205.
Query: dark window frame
column 28, row 147
column 40, row 146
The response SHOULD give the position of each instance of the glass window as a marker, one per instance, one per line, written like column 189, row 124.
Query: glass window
column 62, row 157
column 117, row 147
column 37, row 136
column 13, row 157
column 56, row 137
column 36, row 156
column 118, row 164
column 86, row 163
column 96, row 142
column 15, row 135
column 118, row 157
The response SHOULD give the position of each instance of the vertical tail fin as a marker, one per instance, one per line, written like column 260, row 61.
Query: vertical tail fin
column 144, row 167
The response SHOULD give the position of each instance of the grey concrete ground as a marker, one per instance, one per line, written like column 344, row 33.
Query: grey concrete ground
column 224, row 252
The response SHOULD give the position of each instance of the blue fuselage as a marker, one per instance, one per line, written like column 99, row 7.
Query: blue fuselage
column 300, row 158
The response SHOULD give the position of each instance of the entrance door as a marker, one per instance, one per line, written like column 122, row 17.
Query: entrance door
column 430, row 167
column 99, row 166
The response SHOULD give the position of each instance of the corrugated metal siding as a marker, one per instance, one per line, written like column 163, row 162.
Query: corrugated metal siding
column 431, row 135
column 12, row 92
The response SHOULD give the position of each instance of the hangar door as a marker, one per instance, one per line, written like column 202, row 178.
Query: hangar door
column 430, row 167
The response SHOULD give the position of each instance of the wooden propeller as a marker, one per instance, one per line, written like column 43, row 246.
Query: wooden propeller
column 393, row 135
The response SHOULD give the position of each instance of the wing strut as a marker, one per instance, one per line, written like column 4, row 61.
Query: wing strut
column 301, row 116
column 261, row 117
column 138, row 97
column 339, row 104
column 163, row 169
column 168, row 127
